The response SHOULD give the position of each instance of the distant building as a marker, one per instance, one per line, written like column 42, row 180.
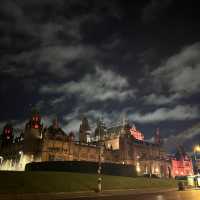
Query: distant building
column 181, row 163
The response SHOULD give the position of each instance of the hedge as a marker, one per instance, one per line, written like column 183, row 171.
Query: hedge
column 83, row 167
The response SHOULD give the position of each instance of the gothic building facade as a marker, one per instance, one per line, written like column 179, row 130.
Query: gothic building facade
column 118, row 144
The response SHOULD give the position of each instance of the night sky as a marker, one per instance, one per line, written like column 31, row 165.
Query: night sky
column 109, row 59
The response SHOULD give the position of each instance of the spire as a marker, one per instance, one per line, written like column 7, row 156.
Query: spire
column 84, row 130
column 55, row 123
column 101, row 130
column 7, row 135
column 157, row 136
column 124, row 120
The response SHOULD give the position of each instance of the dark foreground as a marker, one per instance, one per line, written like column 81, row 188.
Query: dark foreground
column 111, row 195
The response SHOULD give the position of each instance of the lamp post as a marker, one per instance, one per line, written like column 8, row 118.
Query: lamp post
column 99, row 189
column 196, row 149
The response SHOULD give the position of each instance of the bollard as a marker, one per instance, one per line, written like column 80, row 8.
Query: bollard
column 99, row 184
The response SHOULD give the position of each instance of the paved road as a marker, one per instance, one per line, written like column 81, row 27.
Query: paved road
column 129, row 195
column 184, row 195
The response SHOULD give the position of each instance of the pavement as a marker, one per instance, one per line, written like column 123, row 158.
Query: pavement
column 140, row 194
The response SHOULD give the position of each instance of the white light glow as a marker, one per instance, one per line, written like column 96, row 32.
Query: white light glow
column 11, row 165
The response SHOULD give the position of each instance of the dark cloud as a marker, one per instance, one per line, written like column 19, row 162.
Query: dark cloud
column 154, row 10
column 99, row 58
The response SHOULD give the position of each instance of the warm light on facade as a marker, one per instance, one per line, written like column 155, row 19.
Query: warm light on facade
column 138, row 167
column 197, row 148
column 137, row 134
column 182, row 167
column 156, row 170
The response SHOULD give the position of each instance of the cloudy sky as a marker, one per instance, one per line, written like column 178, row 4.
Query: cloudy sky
column 102, row 58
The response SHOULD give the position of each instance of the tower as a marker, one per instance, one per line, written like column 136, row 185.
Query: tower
column 157, row 137
column 7, row 135
column 100, row 131
column 55, row 130
column 55, row 123
column 126, row 126
column 34, row 126
column 33, row 134
column 84, row 131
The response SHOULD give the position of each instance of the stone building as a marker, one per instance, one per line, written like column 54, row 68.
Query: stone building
column 116, row 144
column 181, row 163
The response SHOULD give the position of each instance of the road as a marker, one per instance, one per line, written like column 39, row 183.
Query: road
column 130, row 195
column 183, row 195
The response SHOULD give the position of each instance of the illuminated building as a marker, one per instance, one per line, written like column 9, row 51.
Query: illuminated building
column 181, row 163
column 120, row 143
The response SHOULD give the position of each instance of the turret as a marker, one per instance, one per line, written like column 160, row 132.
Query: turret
column 34, row 126
column 33, row 134
column 71, row 137
column 55, row 131
column 126, row 126
column 100, row 131
column 157, row 137
column 84, row 131
column 7, row 135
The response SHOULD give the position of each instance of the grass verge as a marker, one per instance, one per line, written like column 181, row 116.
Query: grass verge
column 26, row 182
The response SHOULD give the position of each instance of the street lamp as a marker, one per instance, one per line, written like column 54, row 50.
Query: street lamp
column 99, row 172
column 196, row 149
